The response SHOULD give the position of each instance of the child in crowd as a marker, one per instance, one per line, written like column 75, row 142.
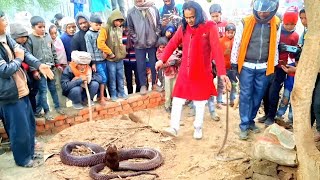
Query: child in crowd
column 110, row 42
column 98, row 58
column 41, row 46
column 69, row 28
column 20, row 35
column 226, row 44
column 62, row 58
column 170, row 70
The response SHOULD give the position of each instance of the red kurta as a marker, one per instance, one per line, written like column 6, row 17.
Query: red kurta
column 200, row 46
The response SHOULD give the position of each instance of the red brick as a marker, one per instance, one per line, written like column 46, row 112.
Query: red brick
column 60, row 117
column 2, row 130
column 153, row 100
column 134, row 99
column 154, row 94
column 99, row 108
column 58, row 123
column 69, row 120
column 40, row 129
column 158, row 99
column 103, row 112
column 111, row 110
column 83, row 112
column 152, row 105
column 144, row 97
column 94, row 115
column 134, row 104
column 48, row 126
column 112, row 105
column 128, row 111
column 108, row 116
column 146, row 101
column 40, row 121
column 140, row 102
column 78, row 119
column 85, row 118
column 4, row 136
column 60, row 128
column 125, row 107
column 124, row 102
column 140, row 108
column 118, row 109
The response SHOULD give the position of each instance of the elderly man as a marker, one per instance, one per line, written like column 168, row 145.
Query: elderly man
column 75, row 75
column 15, row 108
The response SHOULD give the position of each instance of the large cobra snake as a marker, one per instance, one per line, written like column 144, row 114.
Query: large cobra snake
column 113, row 158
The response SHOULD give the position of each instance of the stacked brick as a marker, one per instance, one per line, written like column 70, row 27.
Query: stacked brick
column 134, row 103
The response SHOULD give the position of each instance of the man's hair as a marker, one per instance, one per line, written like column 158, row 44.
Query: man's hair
column 36, row 20
column 51, row 27
column 302, row 11
column 1, row 13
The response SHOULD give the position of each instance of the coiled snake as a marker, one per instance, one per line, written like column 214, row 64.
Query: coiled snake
column 113, row 158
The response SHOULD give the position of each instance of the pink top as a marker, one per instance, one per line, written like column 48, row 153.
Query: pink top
column 61, row 52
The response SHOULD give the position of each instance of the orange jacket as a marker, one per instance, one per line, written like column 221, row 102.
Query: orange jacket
column 226, row 45
column 101, row 41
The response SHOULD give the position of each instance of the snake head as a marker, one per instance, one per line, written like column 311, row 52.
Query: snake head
column 112, row 157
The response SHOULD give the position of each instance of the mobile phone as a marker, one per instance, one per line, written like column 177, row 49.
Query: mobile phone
column 292, row 49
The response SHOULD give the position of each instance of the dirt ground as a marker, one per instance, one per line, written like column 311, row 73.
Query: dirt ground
column 184, row 157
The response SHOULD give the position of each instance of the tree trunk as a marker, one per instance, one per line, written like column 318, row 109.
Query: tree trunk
column 308, row 68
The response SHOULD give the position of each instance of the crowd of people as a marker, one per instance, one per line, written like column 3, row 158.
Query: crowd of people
column 183, row 48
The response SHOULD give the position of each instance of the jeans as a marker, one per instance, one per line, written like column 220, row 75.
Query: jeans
column 141, row 64
column 45, row 84
column 121, row 4
column 62, row 99
column 253, row 83
column 211, row 105
column 77, row 8
column 78, row 93
column 279, row 77
column 130, row 66
column 103, row 72
column 285, row 102
column 315, row 106
column 169, row 85
column 266, row 96
column 220, row 90
column 33, row 86
column 116, row 79
column 20, row 125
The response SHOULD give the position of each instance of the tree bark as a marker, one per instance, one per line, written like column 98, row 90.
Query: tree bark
column 307, row 70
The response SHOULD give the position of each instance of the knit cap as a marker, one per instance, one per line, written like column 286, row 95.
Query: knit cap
column 95, row 18
column 81, row 57
column 66, row 21
column 291, row 15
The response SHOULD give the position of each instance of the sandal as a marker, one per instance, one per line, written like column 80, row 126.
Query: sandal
column 60, row 111
column 38, row 115
column 37, row 156
column 48, row 117
column 32, row 164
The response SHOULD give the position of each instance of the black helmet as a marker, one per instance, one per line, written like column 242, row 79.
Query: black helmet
column 265, row 5
column 230, row 26
column 215, row 8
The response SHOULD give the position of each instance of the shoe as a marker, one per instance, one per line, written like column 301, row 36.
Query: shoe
column 77, row 106
column 262, row 119
column 60, row 111
column 32, row 164
column 143, row 90
column 38, row 115
column 254, row 129
column 114, row 99
column 231, row 104
column 219, row 106
column 170, row 132
column 48, row 116
column 123, row 96
column 243, row 134
column 268, row 122
column 214, row 117
column 197, row 134
column 92, row 103
column 192, row 112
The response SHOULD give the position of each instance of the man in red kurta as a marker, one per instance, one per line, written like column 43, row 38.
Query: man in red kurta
column 200, row 43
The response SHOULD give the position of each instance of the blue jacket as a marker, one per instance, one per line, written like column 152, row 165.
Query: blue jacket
column 9, row 90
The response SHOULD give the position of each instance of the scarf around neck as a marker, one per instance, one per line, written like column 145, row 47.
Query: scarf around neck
column 87, row 72
column 150, row 12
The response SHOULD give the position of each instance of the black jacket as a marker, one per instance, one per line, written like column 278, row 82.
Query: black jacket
column 8, row 88
column 66, row 80
column 78, row 43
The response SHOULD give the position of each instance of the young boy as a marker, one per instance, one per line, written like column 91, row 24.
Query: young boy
column 110, row 42
column 69, row 29
column 288, row 37
column 41, row 46
column 98, row 58
column 303, row 19
column 226, row 44
column 170, row 70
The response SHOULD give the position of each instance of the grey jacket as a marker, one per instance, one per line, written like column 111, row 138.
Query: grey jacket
column 143, row 35
column 43, row 49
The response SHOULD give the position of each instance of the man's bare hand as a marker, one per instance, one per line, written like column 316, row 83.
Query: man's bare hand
column 46, row 71
column 159, row 64
column 19, row 53
column 226, row 82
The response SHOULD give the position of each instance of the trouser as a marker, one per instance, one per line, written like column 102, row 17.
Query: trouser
column 253, row 83
column 19, row 123
column 78, row 7
column 78, row 93
column 44, row 85
column 169, row 85
column 315, row 106
column 177, row 104
column 284, row 104
column 121, row 4
column 141, row 64
column 116, row 79
column 266, row 96
column 276, row 85
column 62, row 99
column 130, row 66
column 33, row 88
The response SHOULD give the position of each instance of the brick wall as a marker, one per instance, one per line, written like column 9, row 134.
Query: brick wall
column 134, row 103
